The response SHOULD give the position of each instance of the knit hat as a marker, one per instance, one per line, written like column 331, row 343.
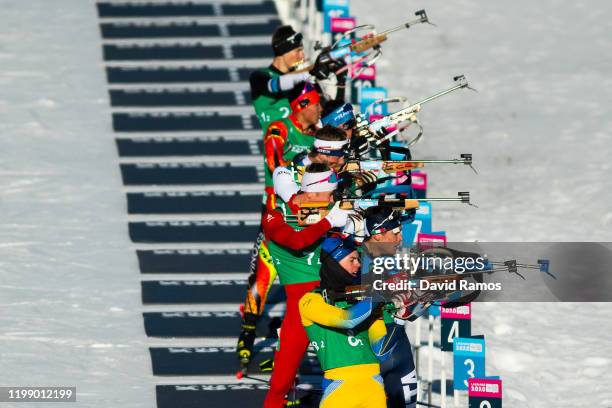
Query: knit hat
column 334, row 278
column 381, row 219
column 285, row 39
column 342, row 115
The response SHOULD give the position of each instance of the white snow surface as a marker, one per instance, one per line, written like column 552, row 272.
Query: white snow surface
column 70, row 309
column 539, row 130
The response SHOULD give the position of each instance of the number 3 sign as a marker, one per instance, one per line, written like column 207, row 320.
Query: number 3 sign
column 468, row 361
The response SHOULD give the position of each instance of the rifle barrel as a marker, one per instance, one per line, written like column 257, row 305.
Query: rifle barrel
column 439, row 94
column 412, row 108
column 442, row 199
column 452, row 161
column 401, row 26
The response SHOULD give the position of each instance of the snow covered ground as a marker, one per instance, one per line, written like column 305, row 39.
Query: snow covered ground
column 539, row 130
column 70, row 310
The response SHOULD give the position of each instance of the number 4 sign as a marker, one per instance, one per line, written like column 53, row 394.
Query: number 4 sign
column 456, row 322
column 468, row 361
column 485, row 393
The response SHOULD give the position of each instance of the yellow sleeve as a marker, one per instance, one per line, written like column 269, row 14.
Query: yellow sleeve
column 376, row 334
column 313, row 309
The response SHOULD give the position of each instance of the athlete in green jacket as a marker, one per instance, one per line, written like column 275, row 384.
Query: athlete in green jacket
column 269, row 86
column 345, row 337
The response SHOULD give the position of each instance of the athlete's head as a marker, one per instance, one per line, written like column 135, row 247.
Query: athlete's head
column 305, row 104
column 329, row 147
column 318, row 183
column 339, row 115
column 340, row 264
column 287, row 47
column 384, row 230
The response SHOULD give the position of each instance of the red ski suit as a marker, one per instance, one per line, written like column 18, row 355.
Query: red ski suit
column 293, row 339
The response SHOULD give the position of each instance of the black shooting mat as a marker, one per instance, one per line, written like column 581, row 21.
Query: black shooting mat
column 177, row 97
column 193, row 202
column 212, row 361
column 201, row 292
column 187, row 146
column 188, row 174
column 194, row 260
column 199, row 324
column 193, row 231
column 183, row 9
column 147, row 30
column 180, row 74
column 179, row 121
column 144, row 52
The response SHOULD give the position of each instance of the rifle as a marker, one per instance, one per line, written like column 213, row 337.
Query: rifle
column 313, row 212
column 370, row 41
column 408, row 113
column 330, row 55
column 394, row 166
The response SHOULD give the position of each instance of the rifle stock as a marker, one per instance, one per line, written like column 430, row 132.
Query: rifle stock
column 368, row 43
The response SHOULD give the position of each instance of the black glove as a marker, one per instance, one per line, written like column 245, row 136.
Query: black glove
column 358, row 146
column 325, row 65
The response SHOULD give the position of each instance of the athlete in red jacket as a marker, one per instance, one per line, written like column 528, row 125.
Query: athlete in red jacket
column 295, row 251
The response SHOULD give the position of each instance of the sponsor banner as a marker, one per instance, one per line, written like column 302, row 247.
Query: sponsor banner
column 342, row 24
column 460, row 312
column 419, row 180
column 431, row 240
column 485, row 392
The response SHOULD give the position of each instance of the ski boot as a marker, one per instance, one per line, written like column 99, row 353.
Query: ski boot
column 246, row 340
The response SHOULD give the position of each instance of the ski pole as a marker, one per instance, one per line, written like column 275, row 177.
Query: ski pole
column 243, row 375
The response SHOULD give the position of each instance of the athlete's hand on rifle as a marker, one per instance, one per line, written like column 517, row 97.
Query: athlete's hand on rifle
column 337, row 217
column 364, row 180
column 325, row 65
column 358, row 146
column 365, row 177
column 355, row 227
column 401, row 302
column 363, row 129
